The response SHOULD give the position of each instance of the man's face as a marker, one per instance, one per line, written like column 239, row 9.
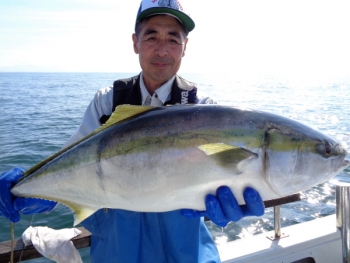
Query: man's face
column 161, row 44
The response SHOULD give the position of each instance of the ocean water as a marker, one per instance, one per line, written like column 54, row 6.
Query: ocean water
column 39, row 112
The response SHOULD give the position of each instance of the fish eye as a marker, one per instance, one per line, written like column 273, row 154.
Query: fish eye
column 328, row 149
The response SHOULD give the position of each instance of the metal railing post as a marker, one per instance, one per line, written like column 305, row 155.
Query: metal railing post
column 277, row 221
column 342, row 196
column 277, row 224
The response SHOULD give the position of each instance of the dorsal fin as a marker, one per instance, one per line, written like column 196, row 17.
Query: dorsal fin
column 121, row 113
column 124, row 112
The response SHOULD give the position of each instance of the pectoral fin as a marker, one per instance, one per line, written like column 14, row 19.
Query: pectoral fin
column 226, row 155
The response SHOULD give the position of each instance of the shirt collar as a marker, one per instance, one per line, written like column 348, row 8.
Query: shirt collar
column 163, row 91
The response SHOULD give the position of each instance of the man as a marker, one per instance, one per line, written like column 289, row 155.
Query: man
column 160, row 40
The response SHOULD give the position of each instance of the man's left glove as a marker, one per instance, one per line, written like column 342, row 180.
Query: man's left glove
column 223, row 208
column 10, row 206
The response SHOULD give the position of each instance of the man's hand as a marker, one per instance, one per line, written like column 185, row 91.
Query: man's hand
column 10, row 205
column 223, row 208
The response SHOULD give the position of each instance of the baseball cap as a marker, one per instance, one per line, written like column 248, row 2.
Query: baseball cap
column 167, row 7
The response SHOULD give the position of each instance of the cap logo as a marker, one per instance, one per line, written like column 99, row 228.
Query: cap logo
column 174, row 4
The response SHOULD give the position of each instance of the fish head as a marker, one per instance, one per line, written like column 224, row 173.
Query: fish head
column 295, row 161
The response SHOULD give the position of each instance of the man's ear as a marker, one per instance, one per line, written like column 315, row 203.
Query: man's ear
column 185, row 44
column 134, row 40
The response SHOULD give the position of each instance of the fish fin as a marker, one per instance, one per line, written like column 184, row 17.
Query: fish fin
column 226, row 155
column 80, row 212
column 124, row 112
column 214, row 148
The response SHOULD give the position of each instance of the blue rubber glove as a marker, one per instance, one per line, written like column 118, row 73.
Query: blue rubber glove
column 223, row 208
column 10, row 206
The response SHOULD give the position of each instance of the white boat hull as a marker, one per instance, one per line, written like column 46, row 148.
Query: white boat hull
column 317, row 241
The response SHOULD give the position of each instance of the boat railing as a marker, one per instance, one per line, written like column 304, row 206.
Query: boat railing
column 84, row 239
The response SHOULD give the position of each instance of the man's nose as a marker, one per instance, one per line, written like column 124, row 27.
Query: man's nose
column 162, row 48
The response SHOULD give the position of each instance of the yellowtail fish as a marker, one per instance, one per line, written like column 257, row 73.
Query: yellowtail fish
column 154, row 159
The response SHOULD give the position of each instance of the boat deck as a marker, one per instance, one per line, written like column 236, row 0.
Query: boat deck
column 317, row 241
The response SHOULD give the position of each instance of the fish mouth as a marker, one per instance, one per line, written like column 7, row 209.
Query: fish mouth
column 345, row 163
column 343, row 154
column 340, row 157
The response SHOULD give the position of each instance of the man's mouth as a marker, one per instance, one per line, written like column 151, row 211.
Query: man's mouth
column 161, row 63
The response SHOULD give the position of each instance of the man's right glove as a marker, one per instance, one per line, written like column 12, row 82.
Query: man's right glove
column 10, row 205
column 223, row 208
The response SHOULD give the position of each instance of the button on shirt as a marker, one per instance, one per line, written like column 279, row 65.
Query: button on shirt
column 159, row 97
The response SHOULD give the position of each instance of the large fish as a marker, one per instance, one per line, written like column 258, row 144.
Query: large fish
column 167, row 158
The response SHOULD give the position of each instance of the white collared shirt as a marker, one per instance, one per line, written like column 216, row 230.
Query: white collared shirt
column 159, row 97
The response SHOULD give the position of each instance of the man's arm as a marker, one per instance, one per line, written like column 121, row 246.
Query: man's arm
column 99, row 106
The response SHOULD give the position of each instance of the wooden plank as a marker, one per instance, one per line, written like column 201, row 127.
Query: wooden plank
column 84, row 239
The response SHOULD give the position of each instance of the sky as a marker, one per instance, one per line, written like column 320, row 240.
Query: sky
column 247, row 36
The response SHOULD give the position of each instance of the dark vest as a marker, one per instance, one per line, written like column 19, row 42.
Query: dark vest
column 127, row 91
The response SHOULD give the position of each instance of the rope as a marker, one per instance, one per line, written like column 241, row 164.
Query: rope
column 30, row 223
column 12, row 233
